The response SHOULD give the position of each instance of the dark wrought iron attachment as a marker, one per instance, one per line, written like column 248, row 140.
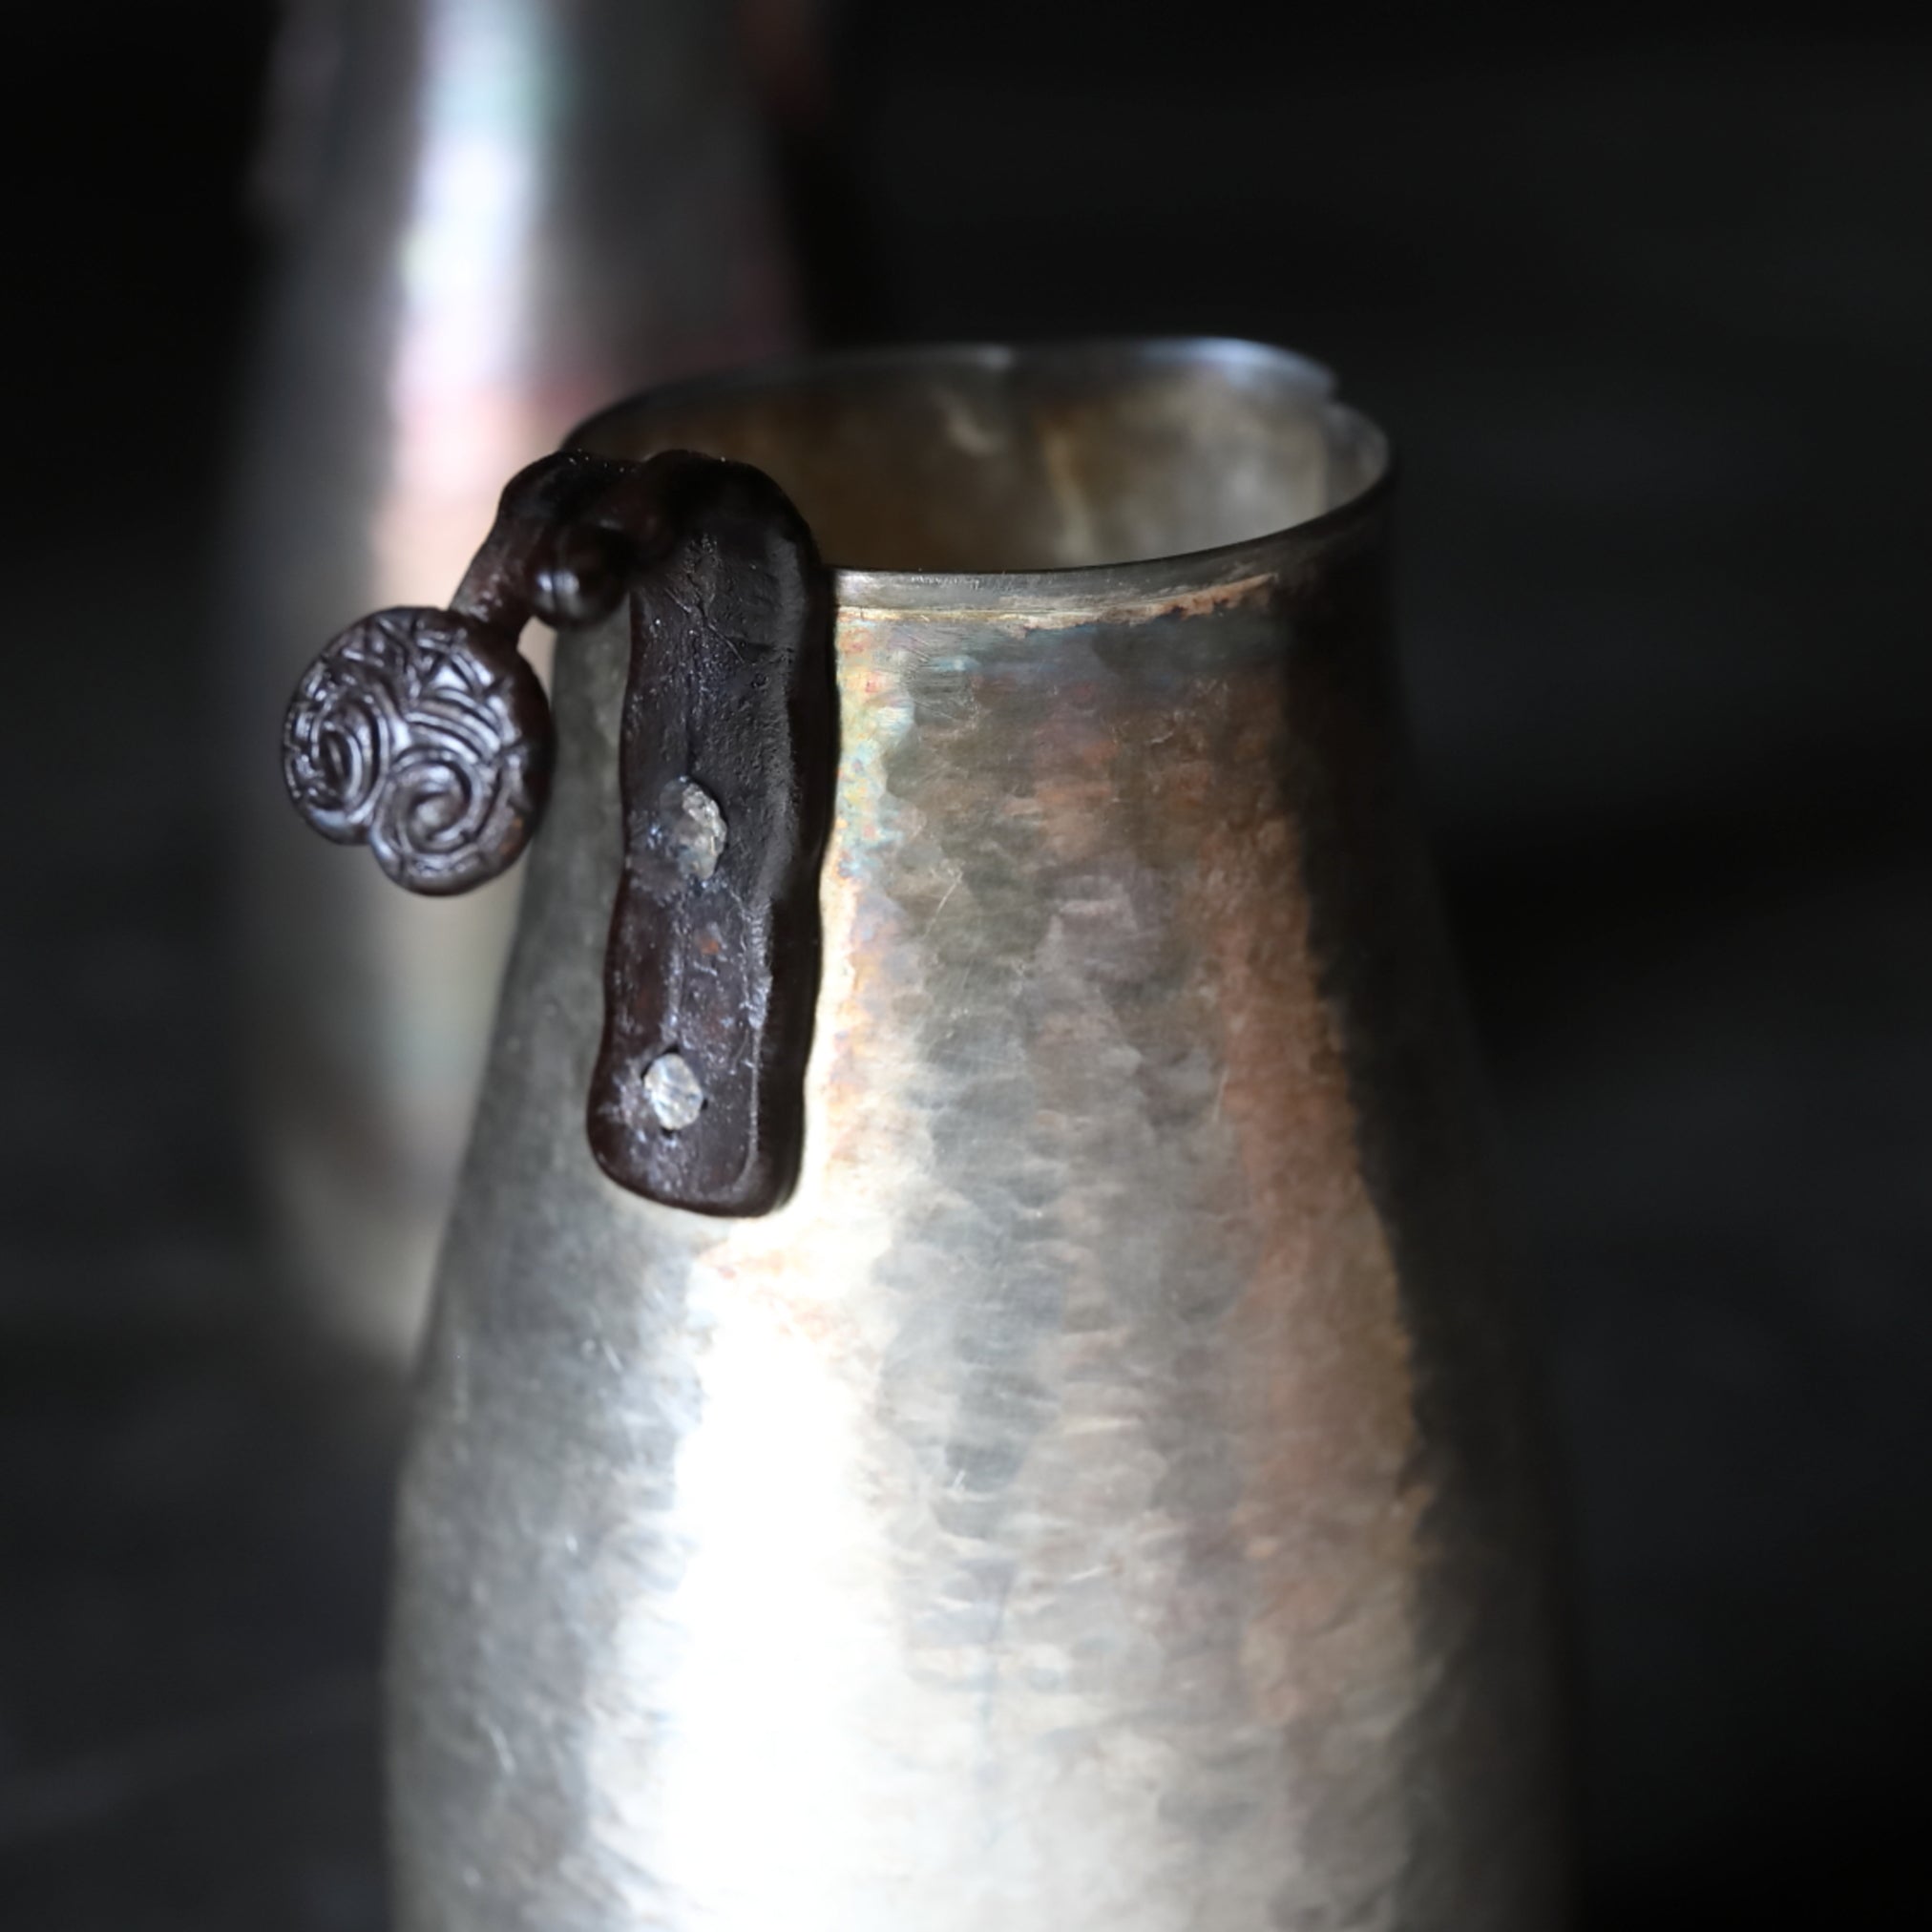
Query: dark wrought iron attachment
column 424, row 735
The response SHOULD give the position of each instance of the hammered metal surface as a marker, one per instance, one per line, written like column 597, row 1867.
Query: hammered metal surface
column 1096, row 1502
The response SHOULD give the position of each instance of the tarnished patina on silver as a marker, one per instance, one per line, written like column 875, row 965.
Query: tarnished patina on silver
column 1098, row 1500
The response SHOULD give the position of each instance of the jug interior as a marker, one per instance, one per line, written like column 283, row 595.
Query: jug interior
column 986, row 460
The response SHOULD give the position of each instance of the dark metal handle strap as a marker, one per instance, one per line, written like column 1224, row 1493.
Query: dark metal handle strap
column 727, row 759
column 423, row 734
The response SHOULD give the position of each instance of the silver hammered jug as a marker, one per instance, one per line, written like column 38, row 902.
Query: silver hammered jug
column 1100, row 1497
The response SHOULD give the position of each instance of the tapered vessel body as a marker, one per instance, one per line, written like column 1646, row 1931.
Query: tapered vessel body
column 1099, row 1500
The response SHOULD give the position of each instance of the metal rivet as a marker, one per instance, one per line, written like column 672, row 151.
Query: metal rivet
column 694, row 829
column 672, row 1092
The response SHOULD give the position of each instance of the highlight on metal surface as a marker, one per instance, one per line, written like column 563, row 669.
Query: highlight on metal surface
column 426, row 736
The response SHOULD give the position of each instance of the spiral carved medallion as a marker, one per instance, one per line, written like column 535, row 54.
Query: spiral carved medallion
column 423, row 736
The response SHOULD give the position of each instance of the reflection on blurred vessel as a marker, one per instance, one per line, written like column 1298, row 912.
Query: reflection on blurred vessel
column 498, row 212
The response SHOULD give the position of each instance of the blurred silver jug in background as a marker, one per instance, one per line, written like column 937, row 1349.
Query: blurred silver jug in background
column 497, row 213
column 1100, row 1500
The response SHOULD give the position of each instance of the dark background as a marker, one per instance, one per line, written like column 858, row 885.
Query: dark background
column 1645, row 298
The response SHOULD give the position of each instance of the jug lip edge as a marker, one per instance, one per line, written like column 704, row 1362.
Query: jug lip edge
column 1136, row 581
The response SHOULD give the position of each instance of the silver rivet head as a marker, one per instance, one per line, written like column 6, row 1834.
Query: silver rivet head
column 694, row 829
column 672, row 1093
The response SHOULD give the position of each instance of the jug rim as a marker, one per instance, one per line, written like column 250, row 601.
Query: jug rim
column 1085, row 588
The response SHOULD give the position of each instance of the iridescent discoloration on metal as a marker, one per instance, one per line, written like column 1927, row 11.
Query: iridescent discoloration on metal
column 492, row 215
column 1098, row 1500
